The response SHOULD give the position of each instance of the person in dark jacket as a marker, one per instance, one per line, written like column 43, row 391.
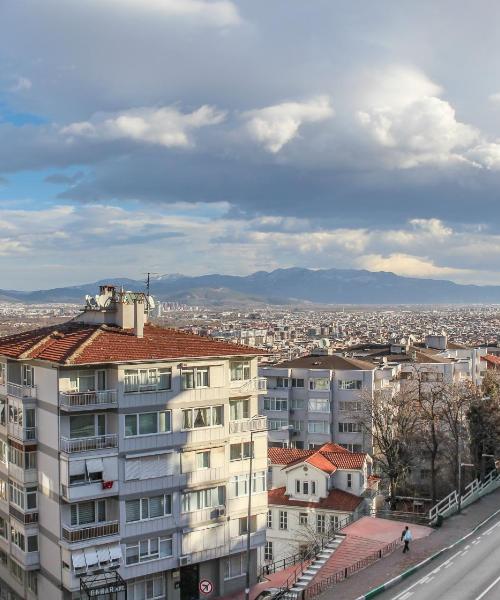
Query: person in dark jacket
column 406, row 537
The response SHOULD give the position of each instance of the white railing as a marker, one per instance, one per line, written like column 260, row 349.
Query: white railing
column 247, row 425
column 97, row 442
column 80, row 533
column 204, row 435
column 87, row 399
column 22, row 433
column 21, row 391
column 477, row 488
column 256, row 385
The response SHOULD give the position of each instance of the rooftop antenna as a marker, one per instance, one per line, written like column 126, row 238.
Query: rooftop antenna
column 148, row 283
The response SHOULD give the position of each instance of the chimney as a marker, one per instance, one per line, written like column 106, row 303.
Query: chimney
column 139, row 318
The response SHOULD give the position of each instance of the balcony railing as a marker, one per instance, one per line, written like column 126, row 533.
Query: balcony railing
column 80, row 533
column 25, row 434
column 97, row 442
column 203, row 475
column 257, row 385
column 25, row 518
column 247, row 425
column 21, row 391
column 89, row 399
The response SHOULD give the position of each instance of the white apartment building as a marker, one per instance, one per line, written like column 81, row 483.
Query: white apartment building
column 313, row 493
column 124, row 459
column 318, row 397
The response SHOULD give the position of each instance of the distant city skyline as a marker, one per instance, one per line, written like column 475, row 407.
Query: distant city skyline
column 196, row 136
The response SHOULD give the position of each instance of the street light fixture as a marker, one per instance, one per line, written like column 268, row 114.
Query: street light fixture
column 249, row 512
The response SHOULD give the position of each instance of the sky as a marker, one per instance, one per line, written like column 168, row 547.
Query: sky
column 225, row 136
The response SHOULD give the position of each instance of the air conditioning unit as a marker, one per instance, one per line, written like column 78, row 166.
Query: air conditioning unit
column 184, row 560
column 220, row 511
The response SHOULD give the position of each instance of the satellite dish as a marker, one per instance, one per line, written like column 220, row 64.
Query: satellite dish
column 151, row 302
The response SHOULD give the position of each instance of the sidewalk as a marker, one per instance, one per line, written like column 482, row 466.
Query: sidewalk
column 453, row 529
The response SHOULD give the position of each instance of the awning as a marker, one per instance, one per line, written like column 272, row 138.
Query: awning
column 103, row 554
column 115, row 552
column 91, row 557
column 94, row 465
column 77, row 467
column 78, row 560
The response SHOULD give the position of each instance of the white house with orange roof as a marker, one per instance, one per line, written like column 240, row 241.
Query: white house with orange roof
column 311, row 493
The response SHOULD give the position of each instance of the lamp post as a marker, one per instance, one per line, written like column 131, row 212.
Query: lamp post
column 483, row 456
column 249, row 511
column 460, row 483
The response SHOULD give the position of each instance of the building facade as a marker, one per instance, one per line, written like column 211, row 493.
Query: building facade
column 124, row 459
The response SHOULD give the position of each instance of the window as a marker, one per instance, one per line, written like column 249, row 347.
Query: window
column 238, row 486
column 150, row 467
column 88, row 381
column 209, row 416
column 199, row 499
column 297, row 425
column 349, row 427
column 93, row 511
column 282, row 382
column 3, row 528
column 351, row 406
column 24, row 498
column 203, row 460
column 297, row 486
column 275, row 404
column 152, row 588
column 350, row 384
column 258, row 482
column 234, row 566
column 297, row 383
column 269, row 519
column 303, row 519
column 3, row 373
column 243, row 524
column 352, row 447
column 305, row 488
column 16, row 414
column 313, row 488
column 148, row 423
column 268, row 551
column 28, row 376
column 194, row 378
column 320, row 383
column 4, row 453
column 147, row 380
column 17, row 538
column 283, row 519
column 239, row 409
column 318, row 427
column 297, row 403
column 318, row 405
column 240, row 451
column 148, row 549
column 33, row 543
column 430, row 376
column 334, row 522
column 275, row 424
column 240, row 371
column 3, row 411
column 83, row 426
column 321, row 523
column 143, row 509
column 349, row 480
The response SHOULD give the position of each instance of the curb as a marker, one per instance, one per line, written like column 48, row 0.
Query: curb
column 395, row 580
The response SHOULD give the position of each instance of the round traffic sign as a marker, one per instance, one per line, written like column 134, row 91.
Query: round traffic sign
column 206, row 586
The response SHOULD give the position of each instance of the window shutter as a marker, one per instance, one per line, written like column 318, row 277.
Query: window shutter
column 133, row 469
column 132, row 510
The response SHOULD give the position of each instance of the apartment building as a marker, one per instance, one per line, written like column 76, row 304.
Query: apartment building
column 124, row 459
column 313, row 494
column 318, row 398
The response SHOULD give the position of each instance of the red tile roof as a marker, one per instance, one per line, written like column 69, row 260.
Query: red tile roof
column 336, row 500
column 492, row 359
column 79, row 343
column 328, row 458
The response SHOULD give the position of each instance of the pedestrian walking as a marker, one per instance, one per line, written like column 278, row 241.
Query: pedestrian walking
column 406, row 537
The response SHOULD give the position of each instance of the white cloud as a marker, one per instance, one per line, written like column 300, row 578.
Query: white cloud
column 494, row 97
column 22, row 84
column 407, row 265
column 486, row 154
column 164, row 126
column 220, row 12
column 274, row 126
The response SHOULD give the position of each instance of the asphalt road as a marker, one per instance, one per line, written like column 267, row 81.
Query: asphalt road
column 470, row 571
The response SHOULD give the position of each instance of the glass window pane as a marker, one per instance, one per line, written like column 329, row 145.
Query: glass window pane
column 217, row 415
column 156, row 507
column 132, row 510
column 187, row 419
column 130, row 425
column 81, row 426
column 201, row 417
column 164, row 418
column 148, row 423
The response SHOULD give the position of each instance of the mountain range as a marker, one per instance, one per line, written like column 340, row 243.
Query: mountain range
column 282, row 286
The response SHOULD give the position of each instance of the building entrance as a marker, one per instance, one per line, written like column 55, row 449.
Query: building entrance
column 190, row 579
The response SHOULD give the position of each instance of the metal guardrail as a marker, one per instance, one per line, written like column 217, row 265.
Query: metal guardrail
column 247, row 425
column 317, row 588
column 399, row 515
column 21, row 391
column 87, row 399
column 88, row 532
column 98, row 442
column 256, row 384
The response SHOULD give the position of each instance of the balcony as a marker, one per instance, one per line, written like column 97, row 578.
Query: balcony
column 21, row 391
column 204, row 435
column 247, row 425
column 257, row 385
column 88, row 400
column 206, row 475
column 23, row 434
column 80, row 533
column 88, row 491
column 97, row 442
column 25, row 518
column 195, row 518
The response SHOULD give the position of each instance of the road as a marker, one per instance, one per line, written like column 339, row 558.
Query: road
column 470, row 571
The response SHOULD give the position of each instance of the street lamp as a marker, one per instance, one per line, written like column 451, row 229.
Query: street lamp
column 249, row 512
column 460, row 483
column 483, row 456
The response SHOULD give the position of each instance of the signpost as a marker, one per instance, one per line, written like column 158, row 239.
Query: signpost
column 206, row 586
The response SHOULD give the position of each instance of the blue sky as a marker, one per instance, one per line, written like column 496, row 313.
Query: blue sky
column 202, row 136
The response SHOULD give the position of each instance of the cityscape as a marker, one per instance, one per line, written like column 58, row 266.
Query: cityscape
column 249, row 300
